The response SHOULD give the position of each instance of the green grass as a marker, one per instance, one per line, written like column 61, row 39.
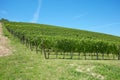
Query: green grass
column 24, row 64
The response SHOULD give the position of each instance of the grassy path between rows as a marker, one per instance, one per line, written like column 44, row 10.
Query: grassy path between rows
column 24, row 64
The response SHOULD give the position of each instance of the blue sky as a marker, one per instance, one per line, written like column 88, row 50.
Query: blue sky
column 93, row 15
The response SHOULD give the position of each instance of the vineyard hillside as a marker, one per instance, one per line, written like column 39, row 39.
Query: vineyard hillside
column 46, row 52
column 57, row 41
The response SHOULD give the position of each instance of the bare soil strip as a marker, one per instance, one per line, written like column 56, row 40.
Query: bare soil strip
column 4, row 44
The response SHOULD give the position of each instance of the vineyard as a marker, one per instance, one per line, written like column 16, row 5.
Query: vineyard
column 65, row 43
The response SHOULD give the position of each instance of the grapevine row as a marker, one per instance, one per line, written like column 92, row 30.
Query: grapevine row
column 48, row 40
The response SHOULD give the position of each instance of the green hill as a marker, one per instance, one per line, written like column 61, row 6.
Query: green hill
column 49, row 39
column 24, row 64
column 57, row 40
column 50, row 30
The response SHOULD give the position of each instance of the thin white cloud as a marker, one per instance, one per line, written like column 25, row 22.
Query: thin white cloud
column 37, row 12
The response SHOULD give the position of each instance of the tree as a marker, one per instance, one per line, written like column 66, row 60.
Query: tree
column 4, row 20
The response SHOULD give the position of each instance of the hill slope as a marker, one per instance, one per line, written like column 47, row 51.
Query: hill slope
column 58, row 39
column 25, row 64
column 51, row 30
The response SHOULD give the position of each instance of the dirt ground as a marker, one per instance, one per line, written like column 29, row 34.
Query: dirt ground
column 4, row 44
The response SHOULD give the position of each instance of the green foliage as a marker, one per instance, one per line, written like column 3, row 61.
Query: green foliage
column 3, row 20
column 64, row 39
column 24, row 64
column 66, row 45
